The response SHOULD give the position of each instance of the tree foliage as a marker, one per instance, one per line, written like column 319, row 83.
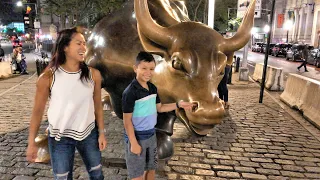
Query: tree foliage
column 198, row 11
column 80, row 12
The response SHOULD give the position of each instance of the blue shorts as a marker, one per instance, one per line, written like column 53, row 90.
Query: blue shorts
column 148, row 159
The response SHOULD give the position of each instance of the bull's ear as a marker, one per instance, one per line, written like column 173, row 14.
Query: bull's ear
column 150, row 46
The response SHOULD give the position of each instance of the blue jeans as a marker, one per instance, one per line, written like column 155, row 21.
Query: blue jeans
column 62, row 156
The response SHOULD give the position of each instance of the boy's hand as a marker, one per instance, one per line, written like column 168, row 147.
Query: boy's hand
column 136, row 149
column 186, row 105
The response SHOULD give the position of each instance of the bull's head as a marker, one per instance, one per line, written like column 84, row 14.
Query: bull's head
column 194, row 58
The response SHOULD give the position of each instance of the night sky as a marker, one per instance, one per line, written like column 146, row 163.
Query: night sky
column 9, row 12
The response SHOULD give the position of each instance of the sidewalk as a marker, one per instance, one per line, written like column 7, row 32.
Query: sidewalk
column 254, row 141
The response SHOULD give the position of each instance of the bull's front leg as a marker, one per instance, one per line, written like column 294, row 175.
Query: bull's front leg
column 164, row 129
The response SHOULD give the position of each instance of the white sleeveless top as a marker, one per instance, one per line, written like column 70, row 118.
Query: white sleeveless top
column 71, row 106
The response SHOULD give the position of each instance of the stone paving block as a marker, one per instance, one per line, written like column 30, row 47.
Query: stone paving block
column 244, row 169
column 200, row 166
column 249, row 164
column 215, row 178
column 24, row 171
column 172, row 176
column 229, row 162
column 293, row 168
column 178, row 163
column 282, row 161
column 311, row 159
column 292, row 174
column 262, row 160
column 205, row 172
column 253, row 176
column 182, row 169
column 268, row 171
column 221, row 167
column 24, row 178
column 228, row 174
column 313, row 169
column 278, row 177
column 191, row 177
column 6, row 176
column 217, row 156
column 312, row 175
column 209, row 161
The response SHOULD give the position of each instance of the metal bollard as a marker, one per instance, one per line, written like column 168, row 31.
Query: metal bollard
column 237, row 64
column 38, row 67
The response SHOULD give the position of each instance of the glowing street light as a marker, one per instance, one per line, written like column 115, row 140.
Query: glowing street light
column 19, row 4
column 266, row 28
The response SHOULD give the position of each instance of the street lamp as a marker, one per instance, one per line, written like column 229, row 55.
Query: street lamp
column 287, row 26
column 20, row 4
column 266, row 28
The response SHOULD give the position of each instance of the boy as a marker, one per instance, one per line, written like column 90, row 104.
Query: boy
column 140, row 104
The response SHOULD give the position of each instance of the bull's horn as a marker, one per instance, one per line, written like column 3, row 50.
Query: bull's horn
column 243, row 34
column 152, row 30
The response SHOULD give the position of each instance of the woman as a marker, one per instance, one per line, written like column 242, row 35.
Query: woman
column 75, row 111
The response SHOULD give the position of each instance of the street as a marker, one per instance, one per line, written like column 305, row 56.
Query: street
column 281, row 62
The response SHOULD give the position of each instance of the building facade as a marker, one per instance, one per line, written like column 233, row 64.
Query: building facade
column 304, row 18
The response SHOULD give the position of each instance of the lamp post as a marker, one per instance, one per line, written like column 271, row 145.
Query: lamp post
column 287, row 26
column 20, row 4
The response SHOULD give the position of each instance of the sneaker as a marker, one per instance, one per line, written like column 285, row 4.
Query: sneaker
column 306, row 71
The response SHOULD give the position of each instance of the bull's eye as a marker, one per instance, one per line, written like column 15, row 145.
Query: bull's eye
column 177, row 64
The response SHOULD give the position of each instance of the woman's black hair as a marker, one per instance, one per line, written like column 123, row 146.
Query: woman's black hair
column 59, row 57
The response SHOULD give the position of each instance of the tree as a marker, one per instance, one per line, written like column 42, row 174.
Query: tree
column 80, row 12
column 198, row 10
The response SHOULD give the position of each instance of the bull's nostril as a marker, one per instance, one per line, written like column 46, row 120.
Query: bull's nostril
column 195, row 106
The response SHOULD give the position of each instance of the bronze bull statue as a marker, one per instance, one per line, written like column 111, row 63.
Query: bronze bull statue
column 193, row 58
column 192, row 64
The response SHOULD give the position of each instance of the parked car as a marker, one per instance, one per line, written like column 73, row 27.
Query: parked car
column 263, row 47
column 256, row 47
column 314, row 57
column 280, row 49
column 295, row 52
column 16, row 43
column 271, row 45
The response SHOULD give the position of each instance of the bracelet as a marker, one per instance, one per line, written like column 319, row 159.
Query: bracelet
column 177, row 104
column 102, row 131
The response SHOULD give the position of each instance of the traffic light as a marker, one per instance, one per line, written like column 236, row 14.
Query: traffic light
column 28, row 9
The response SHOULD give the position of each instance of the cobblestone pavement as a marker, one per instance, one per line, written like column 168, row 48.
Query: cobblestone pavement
column 254, row 141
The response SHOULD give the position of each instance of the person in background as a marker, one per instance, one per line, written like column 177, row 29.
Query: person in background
column 1, row 54
column 14, row 63
column 305, row 53
column 223, row 88
column 21, row 59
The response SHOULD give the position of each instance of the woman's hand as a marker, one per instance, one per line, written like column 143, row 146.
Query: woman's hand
column 32, row 151
column 102, row 141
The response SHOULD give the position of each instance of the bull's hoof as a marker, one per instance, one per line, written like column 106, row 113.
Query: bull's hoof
column 165, row 122
column 106, row 103
column 43, row 155
column 165, row 146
